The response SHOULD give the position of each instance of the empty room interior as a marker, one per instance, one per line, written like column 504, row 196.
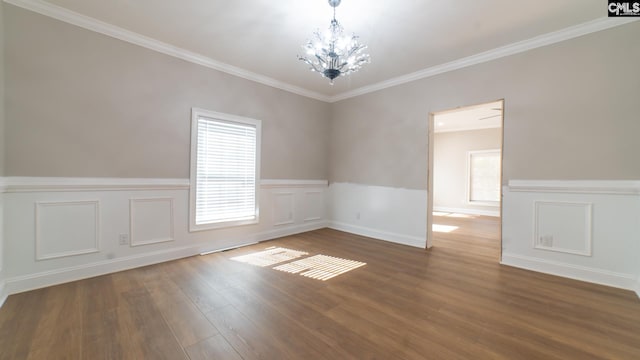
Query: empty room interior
column 319, row 180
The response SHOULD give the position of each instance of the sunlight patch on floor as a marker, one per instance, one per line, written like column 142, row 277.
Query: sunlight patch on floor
column 321, row 267
column 270, row 256
column 444, row 228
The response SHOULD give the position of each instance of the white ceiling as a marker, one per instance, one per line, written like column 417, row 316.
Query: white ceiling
column 404, row 36
column 484, row 116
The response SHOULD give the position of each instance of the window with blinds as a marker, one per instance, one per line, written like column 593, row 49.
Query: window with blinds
column 224, row 170
column 484, row 177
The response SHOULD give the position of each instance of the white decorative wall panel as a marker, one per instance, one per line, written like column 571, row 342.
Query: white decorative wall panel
column 66, row 228
column 1, row 232
column 87, row 216
column 586, row 230
column 283, row 208
column 563, row 227
column 313, row 205
column 151, row 220
column 3, row 294
column 386, row 213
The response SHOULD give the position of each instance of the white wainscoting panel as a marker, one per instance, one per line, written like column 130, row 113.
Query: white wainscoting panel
column 85, row 217
column 66, row 228
column 313, row 205
column 392, row 214
column 283, row 208
column 563, row 227
column 594, row 224
column 151, row 220
column 2, row 190
column 3, row 294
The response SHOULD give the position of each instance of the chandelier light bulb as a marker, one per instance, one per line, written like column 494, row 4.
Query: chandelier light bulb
column 332, row 53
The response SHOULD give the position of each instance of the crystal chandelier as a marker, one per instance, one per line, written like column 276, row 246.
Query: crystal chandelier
column 333, row 54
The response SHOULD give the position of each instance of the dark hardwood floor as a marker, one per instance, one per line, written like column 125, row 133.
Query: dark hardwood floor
column 452, row 302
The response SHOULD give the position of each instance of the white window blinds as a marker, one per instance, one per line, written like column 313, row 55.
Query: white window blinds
column 484, row 176
column 226, row 168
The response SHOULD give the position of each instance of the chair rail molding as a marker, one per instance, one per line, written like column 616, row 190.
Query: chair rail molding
column 14, row 184
column 621, row 187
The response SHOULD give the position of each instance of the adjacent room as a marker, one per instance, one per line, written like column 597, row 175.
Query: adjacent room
column 467, row 168
column 326, row 179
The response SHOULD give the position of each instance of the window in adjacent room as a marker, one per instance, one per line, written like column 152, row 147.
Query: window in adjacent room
column 484, row 177
column 225, row 168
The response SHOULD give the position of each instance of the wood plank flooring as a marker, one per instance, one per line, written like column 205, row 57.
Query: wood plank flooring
column 452, row 302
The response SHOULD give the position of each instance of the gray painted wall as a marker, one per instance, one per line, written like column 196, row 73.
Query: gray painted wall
column 450, row 165
column 570, row 113
column 84, row 104
column 81, row 104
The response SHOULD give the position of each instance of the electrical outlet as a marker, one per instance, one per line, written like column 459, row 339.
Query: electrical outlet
column 546, row 240
column 123, row 239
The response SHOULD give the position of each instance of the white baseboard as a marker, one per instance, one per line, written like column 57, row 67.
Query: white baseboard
column 273, row 234
column 379, row 234
column 495, row 213
column 597, row 276
column 290, row 230
column 3, row 293
column 58, row 276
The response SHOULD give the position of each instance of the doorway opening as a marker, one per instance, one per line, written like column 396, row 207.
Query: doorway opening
column 465, row 177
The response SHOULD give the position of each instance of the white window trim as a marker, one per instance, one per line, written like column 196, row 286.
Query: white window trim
column 468, row 194
column 195, row 114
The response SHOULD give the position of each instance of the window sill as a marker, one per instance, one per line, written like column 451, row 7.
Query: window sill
column 222, row 225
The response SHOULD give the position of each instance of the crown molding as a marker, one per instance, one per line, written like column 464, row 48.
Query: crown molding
column 92, row 24
column 493, row 54
column 89, row 23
